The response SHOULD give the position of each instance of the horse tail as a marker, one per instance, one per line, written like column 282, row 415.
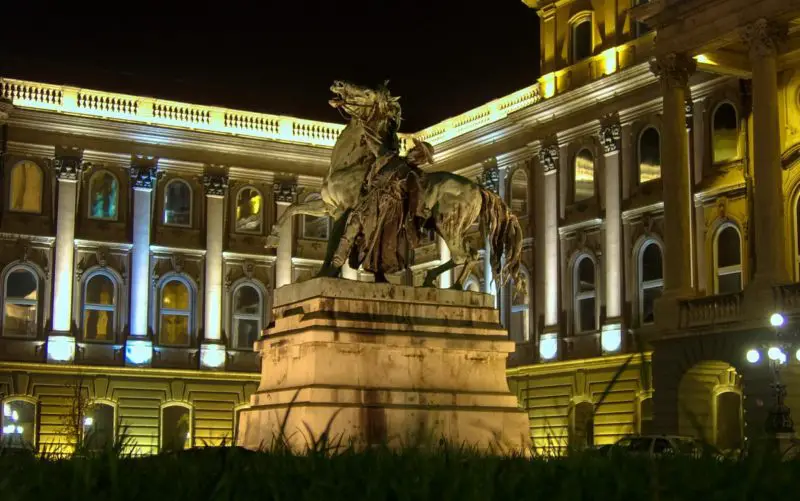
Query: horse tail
column 502, row 228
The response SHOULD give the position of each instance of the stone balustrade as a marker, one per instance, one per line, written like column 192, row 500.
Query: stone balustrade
column 711, row 310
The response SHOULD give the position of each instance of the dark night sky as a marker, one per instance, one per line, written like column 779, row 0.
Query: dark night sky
column 443, row 56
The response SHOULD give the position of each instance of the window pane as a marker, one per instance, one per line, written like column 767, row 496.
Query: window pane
column 649, row 297
column 21, row 284
column 20, row 319
column 652, row 268
column 649, row 155
column 98, row 427
column 175, row 296
column 175, row 428
column 519, row 326
column 247, row 301
column 587, row 312
column 586, row 276
column 248, row 210
column 726, row 133
column 19, row 424
column 26, row 187
column 584, row 175
column 315, row 227
column 519, row 193
column 174, row 329
column 103, row 191
column 98, row 325
column 729, row 283
column 581, row 40
column 247, row 331
column 100, row 290
column 728, row 248
column 177, row 205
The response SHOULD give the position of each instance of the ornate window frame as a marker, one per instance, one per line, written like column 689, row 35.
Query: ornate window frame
column 116, row 281
column 644, row 129
column 92, row 179
column 175, row 403
column 39, row 276
column 728, row 270
column 17, row 164
column 165, row 198
column 574, row 22
column 157, row 310
column 641, row 284
column 36, row 415
column 581, row 296
column 574, row 174
column 232, row 316
column 712, row 131
column 260, row 231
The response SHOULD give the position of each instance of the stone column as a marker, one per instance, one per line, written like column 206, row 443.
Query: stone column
column 762, row 37
column 215, row 187
column 68, row 171
column 446, row 278
column 673, row 71
column 610, row 135
column 142, row 179
column 285, row 193
column 548, row 161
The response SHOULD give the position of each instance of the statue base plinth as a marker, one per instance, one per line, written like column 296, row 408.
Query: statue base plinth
column 383, row 364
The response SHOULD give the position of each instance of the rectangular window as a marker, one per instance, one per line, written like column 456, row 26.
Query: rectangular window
column 587, row 314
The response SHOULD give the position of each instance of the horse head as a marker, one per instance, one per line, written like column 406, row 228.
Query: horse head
column 363, row 103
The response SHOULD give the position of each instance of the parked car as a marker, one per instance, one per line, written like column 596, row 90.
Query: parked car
column 658, row 445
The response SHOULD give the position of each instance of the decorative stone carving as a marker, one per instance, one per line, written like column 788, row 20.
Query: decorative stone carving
column 215, row 185
column 610, row 137
column 249, row 269
column 548, row 158
column 68, row 168
column 285, row 191
column 101, row 255
column 688, row 107
column 673, row 69
column 178, row 262
column 5, row 110
column 228, row 279
column 763, row 37
column 144, row 177
column 490, row 178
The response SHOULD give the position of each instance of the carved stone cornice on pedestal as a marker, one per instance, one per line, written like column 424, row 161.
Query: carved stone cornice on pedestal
column 673, row 69
column 215, row 185
column 763, row 37
column 490, row 179
column 68, row 168
column 610, row 135
column 144, row 177
column 285, row 191
column 548, row 158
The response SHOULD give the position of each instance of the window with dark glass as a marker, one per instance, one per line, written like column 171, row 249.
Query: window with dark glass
column 315, row 227
column 249, row 213
column 98, row 427
column 103, row 196
column 640, row 27
column 581, row 40
column 585, row 296
column 99, row 309
column 19, row 425
column 584, row 175
column 21, row 303
column 725, row 133
column 649, row 155
column 26, row 187
column 247, row 314
column 519, row 193
column 651, row 280
column 176, row 430
column 178, row 203
column 729, row 260
column 175, row 313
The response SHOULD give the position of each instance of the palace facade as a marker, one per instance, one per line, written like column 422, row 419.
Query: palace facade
column 654, row 167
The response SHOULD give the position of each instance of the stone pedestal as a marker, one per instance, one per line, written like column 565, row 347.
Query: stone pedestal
column 379, row 363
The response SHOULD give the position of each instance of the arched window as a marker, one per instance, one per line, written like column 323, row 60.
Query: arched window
column 584, row 175
column 247, row 315
column 249, row 210
column 646, row 416
column 728, row 260
column 103, row 196
column 176, row 427
column 176, row 313
column 649, row 155
column 21, row 303
column 26, row 188
column 19, row 424
column 99, row 308
column 98, row 427
column 585, row 295
column 519, row 193
column 581, row 433
column 581, row 46
column 725, row 133
column 178, row 203
column 640, row 27
column 315, row 227
column 520, row 309
column 651, row 280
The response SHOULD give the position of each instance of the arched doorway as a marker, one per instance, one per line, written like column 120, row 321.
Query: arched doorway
column 581, row 430
column 710, row 404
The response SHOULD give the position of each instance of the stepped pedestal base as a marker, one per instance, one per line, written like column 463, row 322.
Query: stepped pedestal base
column 383, row 364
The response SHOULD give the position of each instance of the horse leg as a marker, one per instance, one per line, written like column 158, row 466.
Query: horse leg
column 433, row 273
column 329, row 268
column 380, row 278
column 465, row 271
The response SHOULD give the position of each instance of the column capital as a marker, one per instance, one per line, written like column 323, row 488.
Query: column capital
column 215, row 184
column 490, row 178
column 285, row 191
column 610, row 136
column 763, row 37
column 548, row 158
column 68, row 168
column 673, row 69
column 143, row 178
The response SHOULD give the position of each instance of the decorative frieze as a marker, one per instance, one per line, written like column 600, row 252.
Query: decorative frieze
column 548, row 158
column 285, row 191
column 68, row 168
column 673, row 69
column 610, row 135
column 144, row 177
column 763, row 37
column 215, row 185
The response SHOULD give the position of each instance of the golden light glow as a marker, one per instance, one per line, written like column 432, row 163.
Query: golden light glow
column 609, row 61
column 549, row 85
column 703, row 59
